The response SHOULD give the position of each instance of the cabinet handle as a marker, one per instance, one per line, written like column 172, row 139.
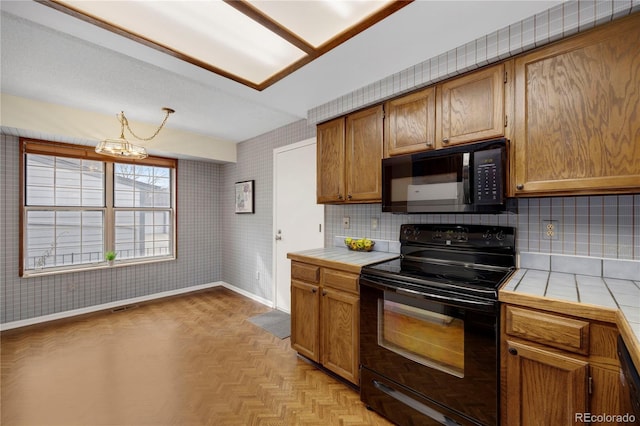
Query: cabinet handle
column 429, row 143
column 445, row 140
column 349, row 196
column 513, row 351
column 314, row 290
column 520, row 186
column 324, row 292
column 340, row 197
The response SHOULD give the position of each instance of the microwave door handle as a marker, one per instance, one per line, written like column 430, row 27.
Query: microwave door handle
column 466, row 184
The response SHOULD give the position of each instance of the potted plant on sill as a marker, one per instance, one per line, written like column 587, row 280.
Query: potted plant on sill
column 110, row 256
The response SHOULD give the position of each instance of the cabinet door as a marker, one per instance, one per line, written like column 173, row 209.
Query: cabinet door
column 340, row 333
column 331, row 161
column 605, row 393
column 410, row 123
column 543, row 388
column 305, row 319
column 472, row 107
column 577, row 116
column 364, row 155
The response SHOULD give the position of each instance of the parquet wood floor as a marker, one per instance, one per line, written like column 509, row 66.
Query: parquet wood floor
column 188, row 360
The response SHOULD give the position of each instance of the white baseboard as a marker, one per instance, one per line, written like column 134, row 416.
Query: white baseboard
column 245, row 293
column 125, row 302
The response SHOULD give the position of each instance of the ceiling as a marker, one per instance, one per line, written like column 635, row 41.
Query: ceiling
column 51, row 57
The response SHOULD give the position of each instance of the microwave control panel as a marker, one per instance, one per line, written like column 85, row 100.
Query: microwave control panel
column 488, row 172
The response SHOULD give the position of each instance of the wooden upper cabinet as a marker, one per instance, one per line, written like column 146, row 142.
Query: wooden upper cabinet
column 349, row 158
column 364, row 144
column 331, row 161
column 410, row 123
column 472, row 107
column 577, row 111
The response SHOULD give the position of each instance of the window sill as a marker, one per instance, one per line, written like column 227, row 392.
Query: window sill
column 94, row 267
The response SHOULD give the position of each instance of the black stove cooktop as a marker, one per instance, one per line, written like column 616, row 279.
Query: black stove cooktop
column 441, row 273
column 468, row 259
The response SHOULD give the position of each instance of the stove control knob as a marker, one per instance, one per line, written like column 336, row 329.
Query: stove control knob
column 487, row 235
column 408, row 232
column 500, row 236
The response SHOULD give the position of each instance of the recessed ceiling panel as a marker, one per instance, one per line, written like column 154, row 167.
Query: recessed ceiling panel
column 255, row 42
column 319, row 21
column 206, row 31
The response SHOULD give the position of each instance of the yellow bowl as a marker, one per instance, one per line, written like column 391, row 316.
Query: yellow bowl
column 354, row 246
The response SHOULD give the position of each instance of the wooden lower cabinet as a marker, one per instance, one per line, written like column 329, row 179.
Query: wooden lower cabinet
column 305, row 319
column 339, row 330
column 544, row 388
column 559, row 377
column 325, row 310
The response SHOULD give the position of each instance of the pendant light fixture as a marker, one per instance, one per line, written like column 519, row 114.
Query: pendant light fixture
column 121, row 147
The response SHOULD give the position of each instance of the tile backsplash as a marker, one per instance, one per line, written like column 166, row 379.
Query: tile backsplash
column 596, row 226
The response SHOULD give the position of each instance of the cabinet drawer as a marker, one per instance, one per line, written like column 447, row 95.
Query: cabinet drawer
column 552, row 330
column 304, row 272
column 340, row 280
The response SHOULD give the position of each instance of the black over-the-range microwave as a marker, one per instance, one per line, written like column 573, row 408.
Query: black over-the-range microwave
column 462, row 179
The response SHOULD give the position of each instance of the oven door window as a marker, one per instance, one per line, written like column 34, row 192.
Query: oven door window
column 425, row 334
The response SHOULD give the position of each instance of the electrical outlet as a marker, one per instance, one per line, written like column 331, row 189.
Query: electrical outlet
column 374, row 223
column 345, row 222
column 258, row 275
column 550, row 229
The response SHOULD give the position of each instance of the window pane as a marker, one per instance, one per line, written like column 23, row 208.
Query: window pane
column 67, row 197
column 63, row 238
column 142, row 197
column 40, row 195
column 68, row 178
column 92, row 197
column 142, row 234
column 142, row 186
column 123, row 198
column 59, row 181
column 40, row 250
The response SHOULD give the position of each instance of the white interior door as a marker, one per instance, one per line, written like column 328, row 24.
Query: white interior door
column 298, row 221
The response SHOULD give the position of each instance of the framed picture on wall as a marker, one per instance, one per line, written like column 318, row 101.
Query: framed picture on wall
column 244, row 197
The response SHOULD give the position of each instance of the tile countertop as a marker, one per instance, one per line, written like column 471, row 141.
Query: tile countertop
column 341, row 258
column 598, row 289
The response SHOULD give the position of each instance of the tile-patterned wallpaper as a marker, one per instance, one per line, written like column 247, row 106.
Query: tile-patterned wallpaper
column 199, row 250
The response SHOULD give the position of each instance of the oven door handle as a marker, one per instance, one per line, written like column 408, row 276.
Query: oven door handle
column 464, row 302
column 450, row 299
